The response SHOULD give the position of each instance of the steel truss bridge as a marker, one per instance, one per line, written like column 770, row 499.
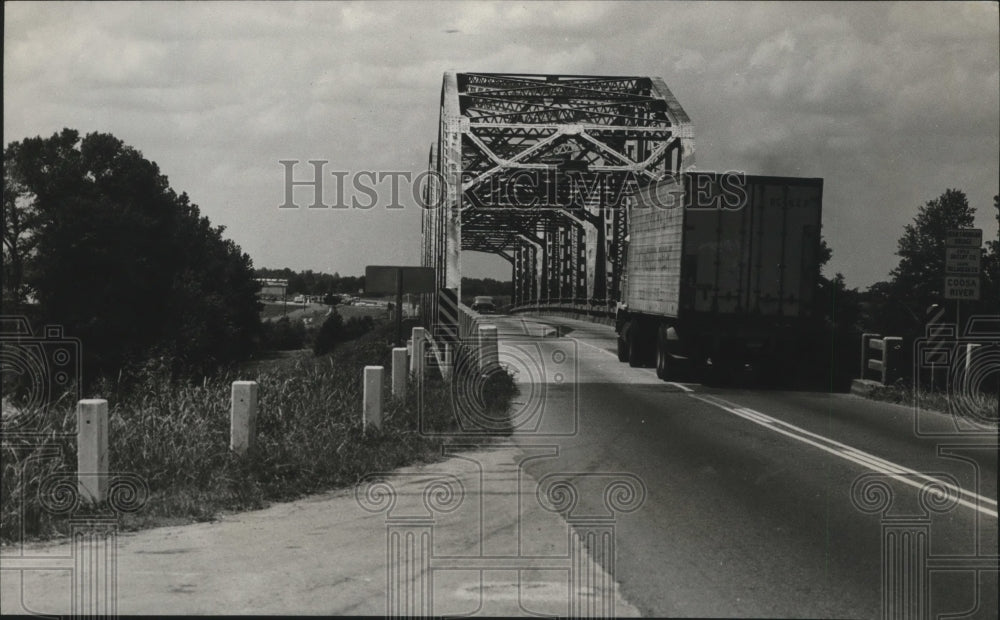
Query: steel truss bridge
column 538, row 169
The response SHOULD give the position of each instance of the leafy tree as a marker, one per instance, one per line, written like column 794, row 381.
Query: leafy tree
column 838, row 305
column 472, row 287
column 991, row 268
column 330, row 333
column 283, row 334
column 20, row 219
column 120, row 260
column 314, row 283
column 900, row 305
column 920, row 273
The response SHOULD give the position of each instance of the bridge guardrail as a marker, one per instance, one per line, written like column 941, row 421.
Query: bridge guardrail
column 599, row 310
column 445, row 352
column 887, row 363
column 468, row 321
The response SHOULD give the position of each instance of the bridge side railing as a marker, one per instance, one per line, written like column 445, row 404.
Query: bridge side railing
column 468, row 320
column 591, row 310
column 882, row 358
column 443, row 351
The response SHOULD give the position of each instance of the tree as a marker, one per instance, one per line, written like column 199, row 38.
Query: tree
column 900, row 305
column 330, row 333
column 120, row 260
column 19, row 223
column 991, row 268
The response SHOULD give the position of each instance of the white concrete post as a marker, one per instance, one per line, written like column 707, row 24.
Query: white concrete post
column 399, row 372
column 92, row 449
column 969, row 348
column 446, row 361
column 417, row 357
column 243, row 417
column 371, row 413
column 488, row 353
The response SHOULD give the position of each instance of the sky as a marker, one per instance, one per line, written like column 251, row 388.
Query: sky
column 890, row 103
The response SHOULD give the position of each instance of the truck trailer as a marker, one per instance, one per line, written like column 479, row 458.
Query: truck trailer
column 721, row 271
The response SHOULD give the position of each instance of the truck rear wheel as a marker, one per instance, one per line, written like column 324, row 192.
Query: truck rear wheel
column 623, row 344
column 636, row 352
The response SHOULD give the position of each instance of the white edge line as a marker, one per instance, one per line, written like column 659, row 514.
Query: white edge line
column 879, row 461
column 855, row 456
column 845, row 452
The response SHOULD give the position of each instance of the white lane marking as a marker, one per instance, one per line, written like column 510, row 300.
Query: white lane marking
column 680, row 386
column 587, row 344
column 869, row 461
column 859, row 457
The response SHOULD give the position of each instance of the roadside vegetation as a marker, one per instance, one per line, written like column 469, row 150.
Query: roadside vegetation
column 96, row 242
column 156, row 311
column 978, row 406
column 175, row 436
column 913, row 298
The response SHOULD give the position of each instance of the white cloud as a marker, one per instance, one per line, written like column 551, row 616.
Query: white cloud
column 891, row 103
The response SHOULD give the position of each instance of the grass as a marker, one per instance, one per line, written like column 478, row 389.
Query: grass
column 175, row 437
column 976, row 405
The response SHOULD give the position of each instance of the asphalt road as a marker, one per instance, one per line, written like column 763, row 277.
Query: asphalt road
column 749, row 507
column 756, row 503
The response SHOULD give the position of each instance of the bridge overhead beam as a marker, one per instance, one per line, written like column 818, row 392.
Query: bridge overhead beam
column 537, row 169
column 450, row 156
column 535, row 250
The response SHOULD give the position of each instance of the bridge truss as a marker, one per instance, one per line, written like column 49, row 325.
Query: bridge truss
column 537, row 169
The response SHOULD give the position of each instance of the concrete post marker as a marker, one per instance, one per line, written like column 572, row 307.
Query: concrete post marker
column 243, row 416
column 399, row 372
column 372, row 407
column 92, row 449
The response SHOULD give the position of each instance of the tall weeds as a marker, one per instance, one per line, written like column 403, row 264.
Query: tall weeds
column 175, row 436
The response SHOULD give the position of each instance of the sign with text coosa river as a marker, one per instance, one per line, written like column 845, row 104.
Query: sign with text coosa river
column 962, row 263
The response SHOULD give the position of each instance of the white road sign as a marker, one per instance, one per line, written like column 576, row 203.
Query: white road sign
column 961, row 287
column 964, row 238
column 962, row 261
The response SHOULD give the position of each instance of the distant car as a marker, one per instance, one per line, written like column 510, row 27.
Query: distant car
column 483, row 305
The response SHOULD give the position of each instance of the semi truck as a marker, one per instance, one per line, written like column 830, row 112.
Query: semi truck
column 720, row 273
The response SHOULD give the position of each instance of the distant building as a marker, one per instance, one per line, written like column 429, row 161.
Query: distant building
column 272, row 287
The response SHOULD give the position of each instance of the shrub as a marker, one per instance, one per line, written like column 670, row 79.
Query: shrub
column 283, row 334
column 335, row 331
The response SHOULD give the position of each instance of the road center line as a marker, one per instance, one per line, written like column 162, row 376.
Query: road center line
column 905, row 475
